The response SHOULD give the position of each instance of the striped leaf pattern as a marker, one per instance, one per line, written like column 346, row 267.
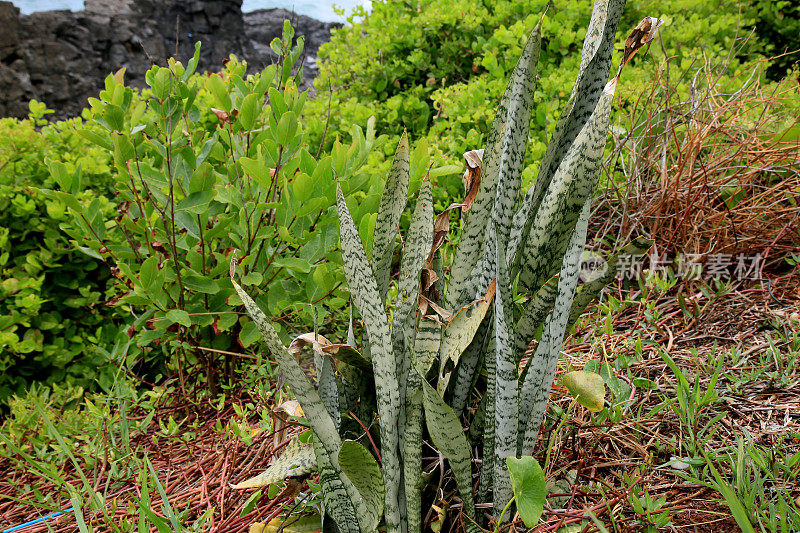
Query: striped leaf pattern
column 297, row 459
column 393, row 201
column 365, row 294
column 593, row 73
column 538, row 381
column 412, row 453
column 535, row 312
column 448, row 436
column 364, row 472
column 467, row 369
column 501, row 170
column 341, row 501
column 558, row 213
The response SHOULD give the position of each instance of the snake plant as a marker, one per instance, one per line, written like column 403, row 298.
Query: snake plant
column 454, row 335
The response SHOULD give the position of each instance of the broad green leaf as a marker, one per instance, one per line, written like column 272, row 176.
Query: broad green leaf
column 365, row 293
column 148, row 271
column 196, row 202
column 393, row 201
column 448, row 436
column 361, row 467
column 296, row 459
column 530, row 488
column 249, row 110
column 217, row 88
column 180, row 316
column 587, row 388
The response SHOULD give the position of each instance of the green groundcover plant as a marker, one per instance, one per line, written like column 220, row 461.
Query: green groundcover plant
column 454, row 333
column 51, row 295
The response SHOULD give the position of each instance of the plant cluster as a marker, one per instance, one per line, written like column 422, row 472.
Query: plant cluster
column 456, row 337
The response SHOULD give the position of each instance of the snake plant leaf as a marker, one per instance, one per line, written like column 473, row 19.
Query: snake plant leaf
column 305, row 524
column 467, row 369
column 536, row 386
column 487, row 467
column 501, row 170
column 448, row 436
column 412, row 452
column 591, row 289
column 426, row 344
column 506, row 399
column 393, row 201
column 530, row 488
column 458, row 334
column 364, row 472
column 417, row 248
column 297, row 459
column 536, row 310
column 368, row 301
column 315, row 411
column 587, row 388
column 572, row 183
column 340, row 498
column 598, row 46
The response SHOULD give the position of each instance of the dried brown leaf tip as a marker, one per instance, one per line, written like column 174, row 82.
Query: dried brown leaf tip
column 472, row 177
column 643, row 34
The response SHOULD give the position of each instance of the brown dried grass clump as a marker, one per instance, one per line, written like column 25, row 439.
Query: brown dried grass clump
column 714, row 172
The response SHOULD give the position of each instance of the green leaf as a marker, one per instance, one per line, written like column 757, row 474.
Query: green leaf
column 293, row 263
column 249, row 334
column 180, row 316
column 216, row 87
column 368, row 301
column 249, row 110
column 530, row 488
column 148, row 272
column 363, row 470
column 393, row 201
column 296, row 459
column 587, row 388
column 448, row 436
column 196, row 203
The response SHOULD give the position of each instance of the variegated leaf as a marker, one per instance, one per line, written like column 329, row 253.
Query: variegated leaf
column 594, row 71
column 364, row 472
column 468, row 365
column 365, row 293
column 412, row 454
column 561, row 206
column 393, row 201
column 296, row 459
column 426, row 344
column 500, row 172
column 536, row 310
column 535, row 388
column 448, row 436
column 339, row 496
column 506, row 399
column 459, row 333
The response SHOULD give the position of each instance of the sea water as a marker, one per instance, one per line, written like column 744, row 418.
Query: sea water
column 318, row 9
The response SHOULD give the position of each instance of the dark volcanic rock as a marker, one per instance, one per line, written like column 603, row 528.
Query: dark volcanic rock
column 62, row 58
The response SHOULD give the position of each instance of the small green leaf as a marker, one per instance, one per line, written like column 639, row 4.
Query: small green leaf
column 530, row 488
column 587, row 388
column 216, row 87
column 180, row 316
column 249, row 110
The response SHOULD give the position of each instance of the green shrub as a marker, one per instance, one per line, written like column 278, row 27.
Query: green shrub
column 207, row 172
column 51, row 295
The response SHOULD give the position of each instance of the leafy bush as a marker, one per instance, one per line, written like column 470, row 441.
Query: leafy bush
column 450, row 324
column 51, row 295
column 205, row 171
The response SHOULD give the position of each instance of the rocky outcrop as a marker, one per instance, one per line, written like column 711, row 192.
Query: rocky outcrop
column 62, row 58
